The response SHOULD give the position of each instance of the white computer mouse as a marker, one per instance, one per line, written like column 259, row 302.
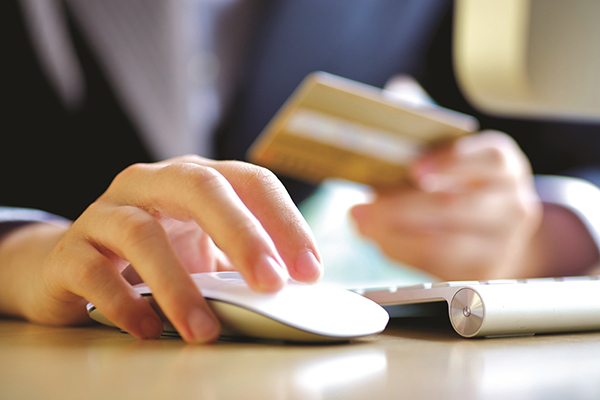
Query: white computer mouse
column 299, row 312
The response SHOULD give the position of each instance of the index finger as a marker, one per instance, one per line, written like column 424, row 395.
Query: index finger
column 268, row 200
column 489, row 158
column 189, row 191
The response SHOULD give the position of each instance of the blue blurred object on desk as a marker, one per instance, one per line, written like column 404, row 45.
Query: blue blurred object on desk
column 350, row 260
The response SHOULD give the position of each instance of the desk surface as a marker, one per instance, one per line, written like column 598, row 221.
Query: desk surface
column 420, row 360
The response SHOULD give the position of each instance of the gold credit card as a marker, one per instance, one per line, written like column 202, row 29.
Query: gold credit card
column 332, row 127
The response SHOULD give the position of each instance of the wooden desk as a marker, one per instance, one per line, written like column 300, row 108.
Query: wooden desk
column 421, row 360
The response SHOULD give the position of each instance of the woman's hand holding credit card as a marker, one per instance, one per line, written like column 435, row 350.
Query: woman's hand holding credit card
column 332, row 127
column 455, row 204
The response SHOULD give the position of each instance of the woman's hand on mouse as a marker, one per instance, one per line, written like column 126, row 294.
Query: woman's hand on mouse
column 165, row 220
column 471, row 211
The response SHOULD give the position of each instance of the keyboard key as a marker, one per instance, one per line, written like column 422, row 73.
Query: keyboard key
column 499, row 282
column 453, row 284
column 574, row 278
column 541, row 280
column 413, row 287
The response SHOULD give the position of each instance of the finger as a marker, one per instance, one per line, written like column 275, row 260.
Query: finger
column 266, row 197
column 269, row 201
column 455, row 256
column 487, row 159
column 193, row 246
column 91, row 275
column 476, row 212
column 446, row 255
column 138, row 237
column 188, row 191
column 222, row 261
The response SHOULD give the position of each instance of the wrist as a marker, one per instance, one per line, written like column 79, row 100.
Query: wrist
column 563, row 246
column 22, row 253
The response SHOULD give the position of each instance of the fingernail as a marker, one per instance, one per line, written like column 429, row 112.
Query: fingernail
column 202, row 325
column 269, row 274
column 308, row 268
column 151, row 327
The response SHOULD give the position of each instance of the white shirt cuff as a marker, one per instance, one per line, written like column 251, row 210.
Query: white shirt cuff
column 577, row 195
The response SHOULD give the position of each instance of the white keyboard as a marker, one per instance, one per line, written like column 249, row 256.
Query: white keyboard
column 505, row 307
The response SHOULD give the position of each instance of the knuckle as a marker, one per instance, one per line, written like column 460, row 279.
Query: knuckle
column 130, row 171
column 137, row 228
column 498, row 156
column 95, row 208
column 264, row 181
column 525, row 210
column 261, row 176
column 519, row 210
column 192, row 180
column 125, row 177
column 186, row 159
column 498, row 138
column 201, row 176
column 194, row 176
column 88, row 270
column 505, row 152
column 192, row 158
column 255, row 176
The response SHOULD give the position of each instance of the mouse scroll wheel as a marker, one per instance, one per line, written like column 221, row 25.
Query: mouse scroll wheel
column 234, row 277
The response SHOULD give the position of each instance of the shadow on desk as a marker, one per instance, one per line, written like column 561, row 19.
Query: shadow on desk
column 419, row 359
column 435, row 329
